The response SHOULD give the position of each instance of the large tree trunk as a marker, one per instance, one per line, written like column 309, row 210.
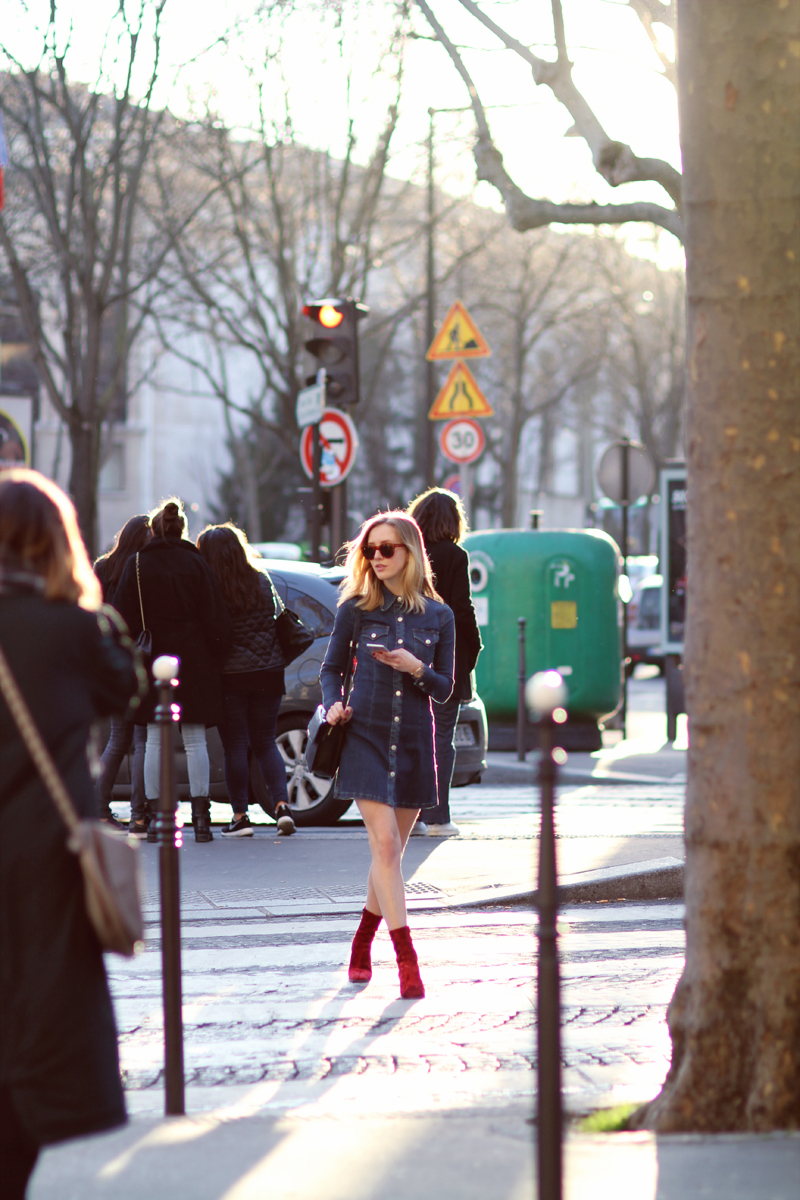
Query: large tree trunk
column 735, row 1017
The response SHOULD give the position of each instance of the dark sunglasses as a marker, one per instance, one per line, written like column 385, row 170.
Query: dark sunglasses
column 386, row 549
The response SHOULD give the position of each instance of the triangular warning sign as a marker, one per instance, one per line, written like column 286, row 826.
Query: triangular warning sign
column 459, row 337
column 460, row 397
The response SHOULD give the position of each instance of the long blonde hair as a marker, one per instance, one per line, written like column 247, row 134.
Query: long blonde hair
column 39, row 533
column 416, row 582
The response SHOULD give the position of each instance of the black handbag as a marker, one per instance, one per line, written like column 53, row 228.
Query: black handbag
column 294, row 638
column 145, row 639
column 325, row 742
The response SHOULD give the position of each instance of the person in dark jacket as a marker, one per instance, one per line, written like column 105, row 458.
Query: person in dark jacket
column 59, row 1068
column 134, row 534
column 184, row 610
column 252, row 677
column 405, row 646
column 441, row 517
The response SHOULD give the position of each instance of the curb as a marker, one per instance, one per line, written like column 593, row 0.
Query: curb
column 654, row 879
column 567, row 776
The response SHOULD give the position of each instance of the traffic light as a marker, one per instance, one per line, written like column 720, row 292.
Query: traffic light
column 334, row 346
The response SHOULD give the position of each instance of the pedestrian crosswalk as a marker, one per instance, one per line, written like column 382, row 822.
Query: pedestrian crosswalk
column 271, row 1019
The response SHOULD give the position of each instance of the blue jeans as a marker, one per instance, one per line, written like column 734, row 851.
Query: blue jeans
column 251, row 718
column 446, row 720
column 197, row 764
column 119, row 741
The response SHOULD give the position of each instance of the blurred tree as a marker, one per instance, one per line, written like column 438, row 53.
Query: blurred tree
column 68, row 233
column 284, row 224
column 613, row 160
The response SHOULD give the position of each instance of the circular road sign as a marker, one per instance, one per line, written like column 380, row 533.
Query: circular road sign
column 641, row 472
column 339, row 446
column 462, row 440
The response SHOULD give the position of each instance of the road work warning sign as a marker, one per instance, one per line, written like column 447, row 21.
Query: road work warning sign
column 460, row 397
column 459, row 337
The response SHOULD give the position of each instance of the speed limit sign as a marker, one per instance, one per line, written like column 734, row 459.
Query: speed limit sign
column 462, row 440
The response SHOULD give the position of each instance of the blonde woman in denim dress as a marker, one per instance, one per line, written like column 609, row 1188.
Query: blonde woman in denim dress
column 405, row 659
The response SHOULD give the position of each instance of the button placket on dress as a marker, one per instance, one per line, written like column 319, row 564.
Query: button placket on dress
column 397, row 703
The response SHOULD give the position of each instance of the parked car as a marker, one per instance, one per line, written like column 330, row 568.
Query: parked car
column 644, row 632
column 312, row 591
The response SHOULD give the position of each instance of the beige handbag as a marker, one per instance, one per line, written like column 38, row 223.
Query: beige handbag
column 110, row 864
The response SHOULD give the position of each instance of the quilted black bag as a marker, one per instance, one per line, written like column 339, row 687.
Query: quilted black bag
column 326, row 742
column 294, row 638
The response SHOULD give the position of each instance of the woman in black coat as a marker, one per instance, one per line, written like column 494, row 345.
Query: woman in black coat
column 441, row 517
column 134, row 535
column 252, row 678
column 184, row 610
column 59, row 1070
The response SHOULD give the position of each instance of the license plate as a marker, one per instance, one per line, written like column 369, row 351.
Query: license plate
column 465, row 736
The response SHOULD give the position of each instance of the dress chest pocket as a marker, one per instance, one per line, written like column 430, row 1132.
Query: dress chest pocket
column 425, row 644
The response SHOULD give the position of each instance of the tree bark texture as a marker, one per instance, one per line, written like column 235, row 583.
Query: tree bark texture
column 735, row 1016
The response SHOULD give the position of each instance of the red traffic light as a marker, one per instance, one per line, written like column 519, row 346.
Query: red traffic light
column 326, row 314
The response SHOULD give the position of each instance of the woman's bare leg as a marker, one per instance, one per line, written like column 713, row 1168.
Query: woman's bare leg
column 388, row 831
column 406, row 818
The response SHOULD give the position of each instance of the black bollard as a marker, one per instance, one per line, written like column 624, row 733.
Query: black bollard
column 521, row 692
column 546, row 695
column 170, row 838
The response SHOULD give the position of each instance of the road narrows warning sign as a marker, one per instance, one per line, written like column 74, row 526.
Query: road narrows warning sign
column 458, row 337
column 460, row 397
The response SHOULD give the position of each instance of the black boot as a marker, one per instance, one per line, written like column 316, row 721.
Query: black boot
column 201, row 819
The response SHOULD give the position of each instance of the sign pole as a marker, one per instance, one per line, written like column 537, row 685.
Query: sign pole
column 316, row 494
column 430, row 367
column 465, row 483
column 338, row 502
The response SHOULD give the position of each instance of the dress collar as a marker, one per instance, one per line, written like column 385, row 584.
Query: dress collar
column 389, row 599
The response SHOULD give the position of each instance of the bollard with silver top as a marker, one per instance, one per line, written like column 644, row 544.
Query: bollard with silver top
column 169, row 835
column 546, row 695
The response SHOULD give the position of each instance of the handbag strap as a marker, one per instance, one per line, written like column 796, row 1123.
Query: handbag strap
column 139, row 589
column 34, row 743
column 348, row 676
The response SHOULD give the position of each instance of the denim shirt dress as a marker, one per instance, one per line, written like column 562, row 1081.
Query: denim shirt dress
column 388, row 752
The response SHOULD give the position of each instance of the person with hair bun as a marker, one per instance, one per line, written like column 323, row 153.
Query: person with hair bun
column 108, row 568
column 59, row 1067
column 184, row 610
column 404, row 650
column 441, row 517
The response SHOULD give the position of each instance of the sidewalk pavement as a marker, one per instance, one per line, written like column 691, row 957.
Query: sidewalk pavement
column 616, row 841
column 458, row 1155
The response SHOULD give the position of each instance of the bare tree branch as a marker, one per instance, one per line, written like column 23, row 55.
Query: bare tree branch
column 523, row 211
column 614, row 160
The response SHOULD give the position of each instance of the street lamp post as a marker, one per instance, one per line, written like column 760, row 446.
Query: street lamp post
column 169, row 838
column 546, row 695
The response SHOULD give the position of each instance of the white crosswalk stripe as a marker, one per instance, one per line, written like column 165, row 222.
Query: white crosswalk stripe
column 268, row 1010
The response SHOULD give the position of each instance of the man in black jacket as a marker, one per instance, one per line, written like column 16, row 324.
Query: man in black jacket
column 441, row 518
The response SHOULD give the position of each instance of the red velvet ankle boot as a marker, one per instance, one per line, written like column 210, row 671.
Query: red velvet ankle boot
column 410, row 983
column 360, row 961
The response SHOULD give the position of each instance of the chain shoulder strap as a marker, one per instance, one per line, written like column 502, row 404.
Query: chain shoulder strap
column 139, row 589
column 348, row 679
column 35, row 745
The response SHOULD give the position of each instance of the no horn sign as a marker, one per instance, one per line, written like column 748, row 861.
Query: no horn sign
column 339, row 440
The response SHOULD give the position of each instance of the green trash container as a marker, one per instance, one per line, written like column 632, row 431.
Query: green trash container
column 564, row 582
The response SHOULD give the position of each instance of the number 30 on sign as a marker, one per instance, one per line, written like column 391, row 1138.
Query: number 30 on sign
column 462, row 441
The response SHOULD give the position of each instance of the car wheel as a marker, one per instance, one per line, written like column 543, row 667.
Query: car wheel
column 311, row 798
